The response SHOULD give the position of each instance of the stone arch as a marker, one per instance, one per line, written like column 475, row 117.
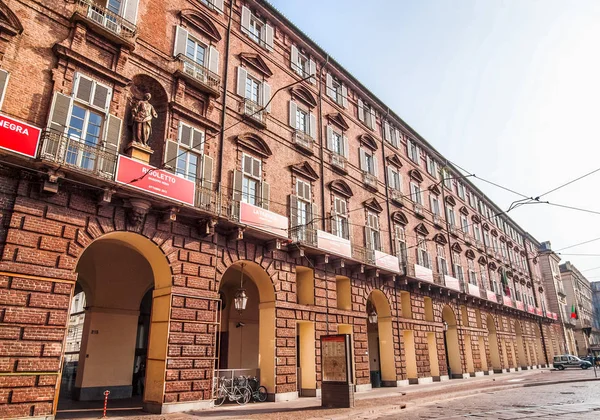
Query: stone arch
column 493, row 344
column 381, row 303
column 9, row 22
column 201, row 23
column 521, row 351
column 451, row 341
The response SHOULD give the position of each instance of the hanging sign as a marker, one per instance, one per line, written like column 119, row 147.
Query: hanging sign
column 335, row 358
column 19, row 137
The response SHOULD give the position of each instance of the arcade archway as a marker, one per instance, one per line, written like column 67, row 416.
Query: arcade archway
column 451, row 343
column 493, row 345
column 523, row 361
column 380, row 340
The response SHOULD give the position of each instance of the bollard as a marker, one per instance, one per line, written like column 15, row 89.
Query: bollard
column 106, row 393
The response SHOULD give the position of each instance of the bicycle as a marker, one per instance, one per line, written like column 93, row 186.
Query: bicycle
column 259, row 392
column 231, row 390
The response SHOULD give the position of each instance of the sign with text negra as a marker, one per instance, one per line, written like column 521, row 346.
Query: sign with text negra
column 451, row 282
column 549, row 314
column 148, row 178
column 555, row 316
column 473, row 289
column 531, row 309
column 18, row 136
column 520, row 305
column 387, row 261
column 423, row 273
column 507, row 300
column 263, row 219
column 491, row 296
column 335, row 358
column 334, row 244
column 539, row 312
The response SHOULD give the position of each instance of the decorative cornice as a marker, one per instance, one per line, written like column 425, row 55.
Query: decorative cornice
column 255, row 61
column 399, row 217
column 337, row 119
column 393, row 159
column 341, row 187
column 368, row 141
column 254, row 143
column 421, row 229
column 416, row 175
column 193, row 116
column 305, row 170
column 304, row 95
column 372, row 204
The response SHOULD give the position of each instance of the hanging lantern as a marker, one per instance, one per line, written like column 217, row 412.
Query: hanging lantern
column 241, row 298
column 373, row 317
column 445, row 326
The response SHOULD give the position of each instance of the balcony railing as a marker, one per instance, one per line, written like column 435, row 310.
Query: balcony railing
column 199, row 74
column 363, row 254
column 419, row 211
column 303, row 140
column 338, row 161
column 106, row 19
column 370, row 180
column 75, row 153
column 255, row 112
column 479, row 244
column 468, row 238
column 454, row 230
column 438, row 220
column 303, row 235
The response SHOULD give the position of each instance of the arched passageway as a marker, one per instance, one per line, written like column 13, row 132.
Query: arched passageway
column 451, row 342
column 380, row 340
column 521, row 350
column 493, row 345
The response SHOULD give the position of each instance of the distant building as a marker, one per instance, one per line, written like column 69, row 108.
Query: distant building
column 595, row 336
column 579, row 297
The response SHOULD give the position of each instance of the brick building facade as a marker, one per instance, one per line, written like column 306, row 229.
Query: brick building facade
column 307, row 192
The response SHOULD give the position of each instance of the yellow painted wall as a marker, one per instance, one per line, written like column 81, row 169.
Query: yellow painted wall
column 409, row 350
column 428, row 309
column 306, row 331
column 493, row 344
column 434, row 362
column 347, row 329
column 469, row 354
column 305, row 285
column 405, row 304
column 482, row 356
column 344, row 293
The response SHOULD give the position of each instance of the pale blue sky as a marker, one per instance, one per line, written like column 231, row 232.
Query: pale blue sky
column 508, row 89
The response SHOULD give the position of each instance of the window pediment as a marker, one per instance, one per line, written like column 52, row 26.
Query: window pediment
column 492, row 265
column 482, row 260
column 502, row 239
column 9, row 22
column 456, row 247
column 494, row 232
column 463, row 210
column 254, row 143
column 475, row 218
column 421, row 229
column 399, row 217
column 372, row 204
column 393, row 159
column 303, row 94
column 255, row 61
column 470, row 254
column 416, row 175
column 337, row 119
column 341, row 187
column 486, row 226
column 440, row 239
column 368, row 141
column 305, row 170
column 201, row 23
column 450, row 200
column 435, row 189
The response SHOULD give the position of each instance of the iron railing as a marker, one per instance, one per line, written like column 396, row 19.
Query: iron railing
column 254, row 111
column 304, row 235
column 363, row 254
column 370, row 180
column 76, row 153
column 111, row 21
column 303, row 140
column 198, row 72
column 338, row 161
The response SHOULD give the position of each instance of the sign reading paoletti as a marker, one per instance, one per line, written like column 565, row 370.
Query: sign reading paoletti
column 263, row 219
column 155, row 181
column 18, row 136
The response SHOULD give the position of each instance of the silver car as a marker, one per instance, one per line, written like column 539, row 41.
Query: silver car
column 569, row 361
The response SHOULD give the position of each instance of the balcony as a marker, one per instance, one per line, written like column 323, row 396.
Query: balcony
column 109, row 24
column 303, row 141
column 338, row 162
column 254, row 112
column 370, row 181
column 469, row 240
column 454, row 231
column 303, row 235
column 479, row 245
column 363, row 254
column 419, row 211
column 560, row 289
column 199, row 76
column 397, row 197
column 438, row 221
column 75, row 154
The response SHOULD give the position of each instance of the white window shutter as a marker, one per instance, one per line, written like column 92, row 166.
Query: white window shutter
column 4, row 76
column 344, row 96
column 293, row 110
column 181, row 36
column 329, row 86
column 198, row 140
column 60, row 113
column 330, row 138
column 171, row 152
column 294, row 58
column 345, row 143
column 387, row 131
column 376, row 166
column 185, row 134
column 390, row 175
column 83, row 88
column 363, row 159
column 242, row 75
column 312, row 70
column 312, row 126
column 361, row 110
column 372, row 120
column 102, row 96
column 266, row 96
column 130, row 10
column 213, row 60
column 218, row 5
column 245, row 19
column 397, row 137
column 269, row 33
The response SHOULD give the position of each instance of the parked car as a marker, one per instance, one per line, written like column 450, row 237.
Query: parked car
column 569, row 361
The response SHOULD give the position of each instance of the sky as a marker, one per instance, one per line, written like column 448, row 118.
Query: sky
column 507, row 89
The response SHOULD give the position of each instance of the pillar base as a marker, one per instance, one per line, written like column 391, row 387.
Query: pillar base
column 283, row 396
column 478, row 374
column 167, row 408
column 96, row 393
column 363, row 388
column 426, row 380
column 444, row 378
column 139, row 152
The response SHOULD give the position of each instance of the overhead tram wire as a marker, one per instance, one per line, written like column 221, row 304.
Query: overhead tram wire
column 567, row 183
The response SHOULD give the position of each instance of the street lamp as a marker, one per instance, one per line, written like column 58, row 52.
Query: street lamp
column 373, row 316
column 241, row 298
column 445, row 326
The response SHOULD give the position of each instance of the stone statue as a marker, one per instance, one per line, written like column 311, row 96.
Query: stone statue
column 143, row 113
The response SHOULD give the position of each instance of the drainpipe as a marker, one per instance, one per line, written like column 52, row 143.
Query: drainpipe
column 321, row 153
column 224, row 101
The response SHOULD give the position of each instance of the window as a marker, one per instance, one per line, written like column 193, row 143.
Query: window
column 85, row 126
column 339, row 221
column 484, row 279
column 472, row 273
column 391, row 134
column 252, row 90
column 372, row 235
column 255, row 91
column 441, row 260
column 447, row 179
column 450, row 215
column 196, row 55
column 432, row 167
column 458, row 270
column 394, row 179
column 251, row 169
column 486, row 238
column 256, row 29
column 460, row 189
column 366, row 114
column 336, row 90
column 434, row 203
column 304, row 202
column 477, row 232
column 494, row 282
column 190, row 146
column 368, row 162
column 400, row 240
column 413, row 151
column 422, row 254
column 415, row 193
column 464, row 222
column 302, row 65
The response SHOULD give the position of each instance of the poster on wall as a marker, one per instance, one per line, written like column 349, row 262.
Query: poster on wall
column 335, row 358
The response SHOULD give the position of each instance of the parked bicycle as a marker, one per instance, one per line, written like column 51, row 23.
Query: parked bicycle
column 233, row 390
column 259, row 392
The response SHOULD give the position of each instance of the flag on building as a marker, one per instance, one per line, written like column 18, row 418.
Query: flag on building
column 505, row 283
column 574, row 314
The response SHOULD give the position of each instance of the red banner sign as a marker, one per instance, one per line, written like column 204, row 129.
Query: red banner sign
column 423, row 273
column 539, row 312
column 473, row 289
column 507, row 300
column 148, row 178
column 491, row 296
column 451, row 282
column 334, row 244
column 387, row 261
column 18, row 136
column 520, row 305
column 263, row 219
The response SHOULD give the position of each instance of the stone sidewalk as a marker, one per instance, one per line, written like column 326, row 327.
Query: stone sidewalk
column 370, row 404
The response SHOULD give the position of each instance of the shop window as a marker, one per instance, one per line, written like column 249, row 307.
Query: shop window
column 305, row 285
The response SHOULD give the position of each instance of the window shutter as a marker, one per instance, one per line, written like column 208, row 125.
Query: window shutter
column 61, row 111
column 171, row 151
column 396, row 141
column 269, row 32
column 330, row 138
column 294, row 59
column 312, row 70
column 245, row 19
column 3, row 83
column 207, row 184
column 293, row 211
column 345, row 144
column 314, row 212
column 185, row 134
column 387, row 132
column 329, row 86
column 266, row 96
column 333, row 222
column 213, row 60
column 198, row 140
column 312, row 126
column 368, row 242
column 344, row 96
column 130, row 11
column 375, row 166
column 391, row 179
column 293, row 110
column 111, row 143
column 102, row 96
column 83, row 88
column 372, row 119
column 265, row 196
column 218, row 5
column 237, row 186
column 242, row 75
column 181, row 36
column 363, row 159
column 361, row 110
